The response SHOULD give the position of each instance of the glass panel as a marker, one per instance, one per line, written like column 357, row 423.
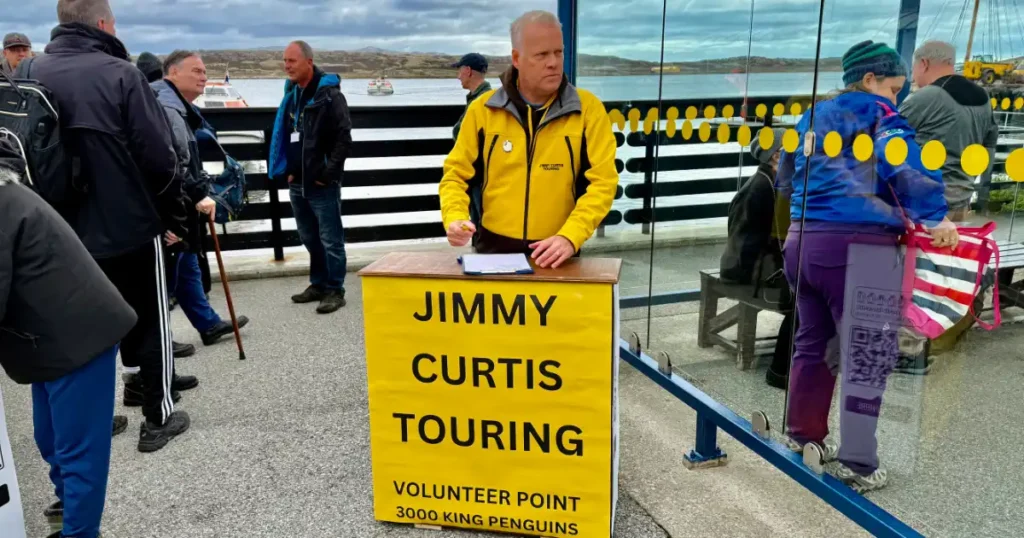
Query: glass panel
column 729, row 70
column 622, row 69
column 888, row 358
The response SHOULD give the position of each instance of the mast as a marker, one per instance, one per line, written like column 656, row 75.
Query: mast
column 974, row 23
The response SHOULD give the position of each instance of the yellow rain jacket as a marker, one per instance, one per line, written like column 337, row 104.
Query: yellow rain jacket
column 522, row 178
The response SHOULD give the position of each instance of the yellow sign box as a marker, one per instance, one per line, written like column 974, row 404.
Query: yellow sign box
column 493, row 402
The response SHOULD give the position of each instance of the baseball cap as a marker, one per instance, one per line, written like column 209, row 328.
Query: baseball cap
column 474, row 61
column 15, row 39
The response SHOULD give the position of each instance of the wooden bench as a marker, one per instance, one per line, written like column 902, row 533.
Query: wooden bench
column 710, row 324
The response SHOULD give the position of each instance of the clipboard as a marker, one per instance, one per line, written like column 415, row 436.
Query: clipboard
column 495, row 264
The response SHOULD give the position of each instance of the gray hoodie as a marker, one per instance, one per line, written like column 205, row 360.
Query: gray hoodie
column 958, row 113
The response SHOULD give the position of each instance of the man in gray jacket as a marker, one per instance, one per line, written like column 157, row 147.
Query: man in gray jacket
column 61, row 320
column 953, row 110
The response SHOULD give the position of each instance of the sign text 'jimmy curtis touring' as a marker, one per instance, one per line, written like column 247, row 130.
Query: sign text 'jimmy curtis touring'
column 490, row 403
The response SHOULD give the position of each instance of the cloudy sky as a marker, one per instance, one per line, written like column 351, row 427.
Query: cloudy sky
column 695, row 29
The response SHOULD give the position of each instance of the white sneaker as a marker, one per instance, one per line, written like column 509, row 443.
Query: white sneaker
column 861, row 483
column 830, row 449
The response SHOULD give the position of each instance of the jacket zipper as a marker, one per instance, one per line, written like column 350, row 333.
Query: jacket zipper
column 487, row 170
column 572, row 166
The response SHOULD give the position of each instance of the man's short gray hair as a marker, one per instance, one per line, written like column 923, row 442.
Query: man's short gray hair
column 531, row 17
column 175, row 58
column 936, row 52
column 307, row 51
column 87, row 12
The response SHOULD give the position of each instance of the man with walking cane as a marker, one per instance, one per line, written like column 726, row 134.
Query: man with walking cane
column 183, row 81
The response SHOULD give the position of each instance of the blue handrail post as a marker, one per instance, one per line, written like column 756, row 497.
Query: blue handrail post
column 906, row 38
column 567, row 11
column 706, row 452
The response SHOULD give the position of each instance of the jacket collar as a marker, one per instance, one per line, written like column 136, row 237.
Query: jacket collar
column 77, row 37
column 567, row 100
column 169, row 96
column 480, row 90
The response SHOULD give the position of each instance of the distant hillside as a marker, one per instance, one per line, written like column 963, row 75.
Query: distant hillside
column 371, row 62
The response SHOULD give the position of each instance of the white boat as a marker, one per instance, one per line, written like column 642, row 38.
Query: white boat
column 380, row 86
column 221, row 95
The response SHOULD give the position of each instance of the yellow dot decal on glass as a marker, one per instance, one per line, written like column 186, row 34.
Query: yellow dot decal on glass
column 1015, row 165
column 728, row 111
column 795, row 109
column 743, row 135
column 651, row 121
column 779, row 109
column 617, row 119
column 691, row 113
column 1005, row 104
column 761, row 110
column 634, row 119
column 766, row 136
column 687, row 130
column 974, row 159
column 790, row 140
column 672, row 113
column 723, row 134
column 709, row 112
column 704, row 132
column 670, row 128
column 833, row 144
column 994, row 102
column 896, row 151
column 863, row 147
column 1018, row 103
column 933, row 155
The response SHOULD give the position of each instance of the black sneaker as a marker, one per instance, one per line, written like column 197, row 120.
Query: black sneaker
column 120, row 424
column 332, row 302
column 135, row 397
column 311, row 295
column 184, row 382
column 180, row 351
column 223, row 328
column 54, row 514
column 775, row 380
column 919, row 364
column 153, row 437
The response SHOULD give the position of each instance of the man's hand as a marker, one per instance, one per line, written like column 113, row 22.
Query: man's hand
column 170, row 238
column 945, row 234
column 290, row 178
column 552, row 251
column 460, row 233
column 206, row 205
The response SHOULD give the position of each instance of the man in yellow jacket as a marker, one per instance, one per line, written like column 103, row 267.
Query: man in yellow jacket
column 533, row 168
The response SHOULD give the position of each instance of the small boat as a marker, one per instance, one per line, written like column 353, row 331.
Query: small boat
column 380, row 86
column 221, row 95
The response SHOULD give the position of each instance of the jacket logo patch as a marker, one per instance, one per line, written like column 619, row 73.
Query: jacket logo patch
column 507, row 146
column 551, row 167
column 890, row 132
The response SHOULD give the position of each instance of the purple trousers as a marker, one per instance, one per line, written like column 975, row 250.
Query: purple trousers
column 849, row 285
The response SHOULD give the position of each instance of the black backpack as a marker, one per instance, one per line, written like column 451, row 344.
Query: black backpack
column 30, row 121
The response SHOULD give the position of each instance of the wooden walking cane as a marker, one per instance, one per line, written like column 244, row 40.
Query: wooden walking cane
column 227, row 289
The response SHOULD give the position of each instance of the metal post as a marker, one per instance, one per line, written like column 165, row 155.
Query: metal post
column 906, row 37
column 705, row 452
column 567, row 11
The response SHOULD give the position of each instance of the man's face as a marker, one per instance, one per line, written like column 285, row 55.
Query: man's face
column 296, row 66
column 920, row 73
column 539, row 59
column 464, row 74
column 14, row 55
column 189, row 77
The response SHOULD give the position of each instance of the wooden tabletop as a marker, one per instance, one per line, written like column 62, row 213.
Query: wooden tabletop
column 446, row 265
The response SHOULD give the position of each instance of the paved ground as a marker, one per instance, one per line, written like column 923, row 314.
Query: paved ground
column 279, row 447
column 279, row 444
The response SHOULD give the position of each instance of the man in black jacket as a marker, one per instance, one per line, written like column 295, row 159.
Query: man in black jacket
column 133, row 199
column 60, row 322
column 312, row 137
